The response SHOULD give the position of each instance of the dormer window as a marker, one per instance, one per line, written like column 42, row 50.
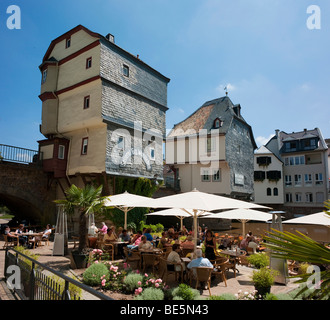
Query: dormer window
column 68, row 43
column 217, row 123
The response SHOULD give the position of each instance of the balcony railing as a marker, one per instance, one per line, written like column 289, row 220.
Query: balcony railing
column 19, row 155
column 37, row 281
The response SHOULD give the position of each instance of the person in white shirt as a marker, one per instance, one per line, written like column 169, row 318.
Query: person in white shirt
column 144, row 244
column 47, row 232
column 174, row 257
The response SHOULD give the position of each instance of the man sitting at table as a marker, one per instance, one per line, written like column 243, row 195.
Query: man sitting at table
column 144, row 244
column 226, row 242
column 124, row 236
column 199, row 262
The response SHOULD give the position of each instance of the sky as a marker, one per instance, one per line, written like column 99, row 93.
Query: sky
column 272, row 55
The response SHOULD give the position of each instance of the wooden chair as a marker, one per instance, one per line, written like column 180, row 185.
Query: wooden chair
column 221, row 265
column 45, row 240
column 149, row 260
column 14, row 242
column 203, row 274
column 185, row 251
column 170, row 269
column 110, row 249
column 250, row 251
column 243, row 260
column 166, row 251
column 35, row 241
column 132, row 256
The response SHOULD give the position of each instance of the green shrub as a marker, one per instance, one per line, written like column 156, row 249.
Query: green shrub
column 185, row 292
column 151, row 294
column 92, row 276
column 259, row 260
column 270, row 296
column 224, row 296
column 131, row 281
column 264, row 277
column 74, row 291
column 303, row 268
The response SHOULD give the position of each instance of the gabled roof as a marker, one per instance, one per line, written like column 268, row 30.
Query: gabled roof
column 105, row 41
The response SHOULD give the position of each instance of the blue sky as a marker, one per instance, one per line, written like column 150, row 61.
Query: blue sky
column 273, row 65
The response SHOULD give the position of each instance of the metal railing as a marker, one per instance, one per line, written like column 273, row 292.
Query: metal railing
column 40, row 282
column 20, row 155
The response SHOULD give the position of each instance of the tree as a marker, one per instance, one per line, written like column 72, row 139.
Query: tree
column 87, row 201
column 286, row 245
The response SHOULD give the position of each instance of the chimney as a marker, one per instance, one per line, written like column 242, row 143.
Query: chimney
column 110, row 37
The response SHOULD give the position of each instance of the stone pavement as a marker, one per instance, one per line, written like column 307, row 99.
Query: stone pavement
column 234, row 285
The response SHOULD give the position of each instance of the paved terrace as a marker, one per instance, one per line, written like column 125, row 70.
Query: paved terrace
column 62, row 264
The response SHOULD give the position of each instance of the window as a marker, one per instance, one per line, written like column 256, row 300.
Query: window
column 288, row 181
column 288, row 197
column 275, row 192
column 217, row 123
column 297, row 180
column 84, row 146
column 210, row 144
column 121, row 142
column 205, row 175
column 86, row 102
column 44, row 76
column 264, row 161
column 259, row 175
column 291, row 146
column 68, row 43
column 216, row 175
column 308, row 179
column 125, row 70
column 318, row 179
column 61, row 150
column 269, row 191
column 298, row 197
column 319, row 197
column 88, row 62
column 152, row 154
column 274, row 175
column 309, row 197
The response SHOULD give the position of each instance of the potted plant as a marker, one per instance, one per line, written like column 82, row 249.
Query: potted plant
column 263, row 279
column 86, row 200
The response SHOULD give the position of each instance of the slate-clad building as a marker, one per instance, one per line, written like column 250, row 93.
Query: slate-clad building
column 212, row 150
column 103, row 110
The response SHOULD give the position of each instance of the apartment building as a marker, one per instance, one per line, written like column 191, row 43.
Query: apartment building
column 305, row 169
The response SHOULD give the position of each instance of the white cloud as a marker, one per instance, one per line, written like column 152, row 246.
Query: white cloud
column 263, row 140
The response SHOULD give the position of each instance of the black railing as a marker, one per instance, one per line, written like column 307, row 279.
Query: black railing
column 36, row 281
column 21, row 155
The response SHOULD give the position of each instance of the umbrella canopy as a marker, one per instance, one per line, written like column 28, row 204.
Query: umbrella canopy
column 3, row 221
column 243, row 215
column 320, row 218
column 180, row 214
column 125, row 202
column 199, row 202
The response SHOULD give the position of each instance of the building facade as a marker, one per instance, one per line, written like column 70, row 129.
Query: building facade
column 305, row 169
column 268, row 178
column 212, row 151
column 103, row 110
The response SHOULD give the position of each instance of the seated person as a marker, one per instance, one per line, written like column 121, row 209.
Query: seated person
column 174, row 257
column 148, row 235
column 199, row 262
column 253, row 245
column 162, row 241
column 124, row 236
column 144, row 244
column 226, row 242
column 93, row 229
column 104, row 228
column 135, row 241
column 10, row 235
column 184, row 231
column 244, row 243
column 110, row 235
column 22, row 239
column 47, row 232
column 188, row 243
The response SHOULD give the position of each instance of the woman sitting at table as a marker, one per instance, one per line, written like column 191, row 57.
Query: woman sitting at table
column 244, row 243
column 210, row 245
column 47, row 232
column 225, row 243
column 144, row 244
column 148, row 235
column 136, row 240
column 110, row 235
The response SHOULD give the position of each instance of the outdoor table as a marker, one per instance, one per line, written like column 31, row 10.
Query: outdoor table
column 117, row 244
column 32, row 234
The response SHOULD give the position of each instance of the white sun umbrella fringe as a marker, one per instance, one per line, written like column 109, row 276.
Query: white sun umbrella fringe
column 199, row 203
column 126, row 202
column 319, row 218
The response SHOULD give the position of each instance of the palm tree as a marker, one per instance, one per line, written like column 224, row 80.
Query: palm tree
column 286, row 245
column 86, row 200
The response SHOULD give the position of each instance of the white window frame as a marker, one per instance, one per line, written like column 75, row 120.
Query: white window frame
column 126, row 70
column 61, row 152
column 84, row 146
column 318, row 179
column 44, row 76
column 297, row 180
column 308, row 179
column 288, row 180
column 121, row 142
column 206, row 173
column 216, row 173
